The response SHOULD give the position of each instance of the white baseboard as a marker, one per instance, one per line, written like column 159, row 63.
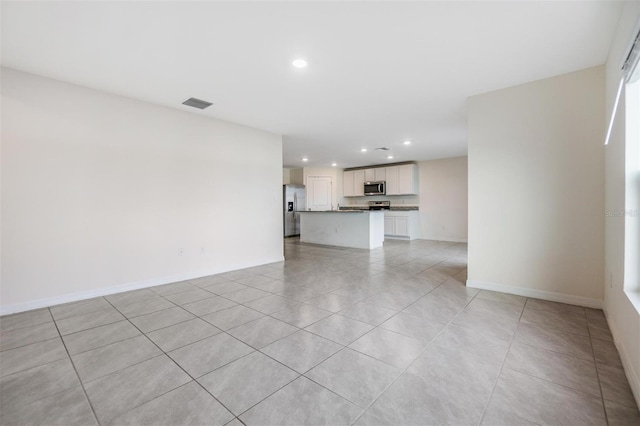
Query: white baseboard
column 633, row 375
column 105, row 291
column 537, row 294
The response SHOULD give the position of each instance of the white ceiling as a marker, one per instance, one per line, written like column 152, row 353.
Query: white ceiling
column 379, row 72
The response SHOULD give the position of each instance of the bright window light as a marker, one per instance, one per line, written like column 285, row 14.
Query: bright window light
column 613, row 112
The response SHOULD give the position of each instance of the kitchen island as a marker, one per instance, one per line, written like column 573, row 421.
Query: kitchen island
column 361, row 229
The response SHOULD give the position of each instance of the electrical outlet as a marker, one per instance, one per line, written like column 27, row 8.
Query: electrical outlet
column 180, row 251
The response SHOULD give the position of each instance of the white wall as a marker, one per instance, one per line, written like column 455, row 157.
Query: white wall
column 292, row 176
column 536, row 188
column 296, row 176
column 444, row 199
column 622, row 316
column 102, row 193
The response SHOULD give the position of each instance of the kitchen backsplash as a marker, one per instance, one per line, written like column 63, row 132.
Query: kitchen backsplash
column 411, row 200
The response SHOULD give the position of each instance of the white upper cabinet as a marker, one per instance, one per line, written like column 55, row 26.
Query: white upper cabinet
column 402, row 180
column 408, row 179
column 377, row 174
column 358, row 183
column 369, row 175
column 392, row 181
column 353, row 183
column 347, row 184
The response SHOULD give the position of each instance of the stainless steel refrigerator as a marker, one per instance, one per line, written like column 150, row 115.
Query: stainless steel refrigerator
column 294, row 201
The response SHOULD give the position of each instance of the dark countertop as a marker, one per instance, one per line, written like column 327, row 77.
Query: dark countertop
column 335, row 211
column 396, row 208
column 405, row 209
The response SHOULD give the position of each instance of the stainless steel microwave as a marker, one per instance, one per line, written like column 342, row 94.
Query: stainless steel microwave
column 374, row 188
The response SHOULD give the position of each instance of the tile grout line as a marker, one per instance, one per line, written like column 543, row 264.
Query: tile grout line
column 84, row 390
column 101, row 310
column 77, row 315
column 4, row 317
column 504, row 361
column 379, row 326
column 193, row 379
column 570, row 356
column 103, row 345
column 554, row 351
column 299, row 374
column 239, row 358
column 323, row 292
column 419, row 355
column 595, row 362
column 124, row 317
column 304, row 374
column 29, row 344
column 267, row 396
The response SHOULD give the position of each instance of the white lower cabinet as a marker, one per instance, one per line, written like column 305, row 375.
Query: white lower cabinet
column 389, row 225
column 402, row 224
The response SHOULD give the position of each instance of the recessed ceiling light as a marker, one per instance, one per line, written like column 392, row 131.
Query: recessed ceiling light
column 407, row 142
column 299, row 63
column 334, row 164
column 390, row 157
column 363, row 150
column 305, row 159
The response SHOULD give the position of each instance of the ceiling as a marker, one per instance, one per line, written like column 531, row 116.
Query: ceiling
column 379, row 73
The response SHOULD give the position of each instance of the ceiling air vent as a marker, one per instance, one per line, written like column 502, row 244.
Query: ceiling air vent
column 384, row 148
column 197, row 103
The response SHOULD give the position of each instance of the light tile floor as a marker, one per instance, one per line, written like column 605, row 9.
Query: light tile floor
column 330, row 336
